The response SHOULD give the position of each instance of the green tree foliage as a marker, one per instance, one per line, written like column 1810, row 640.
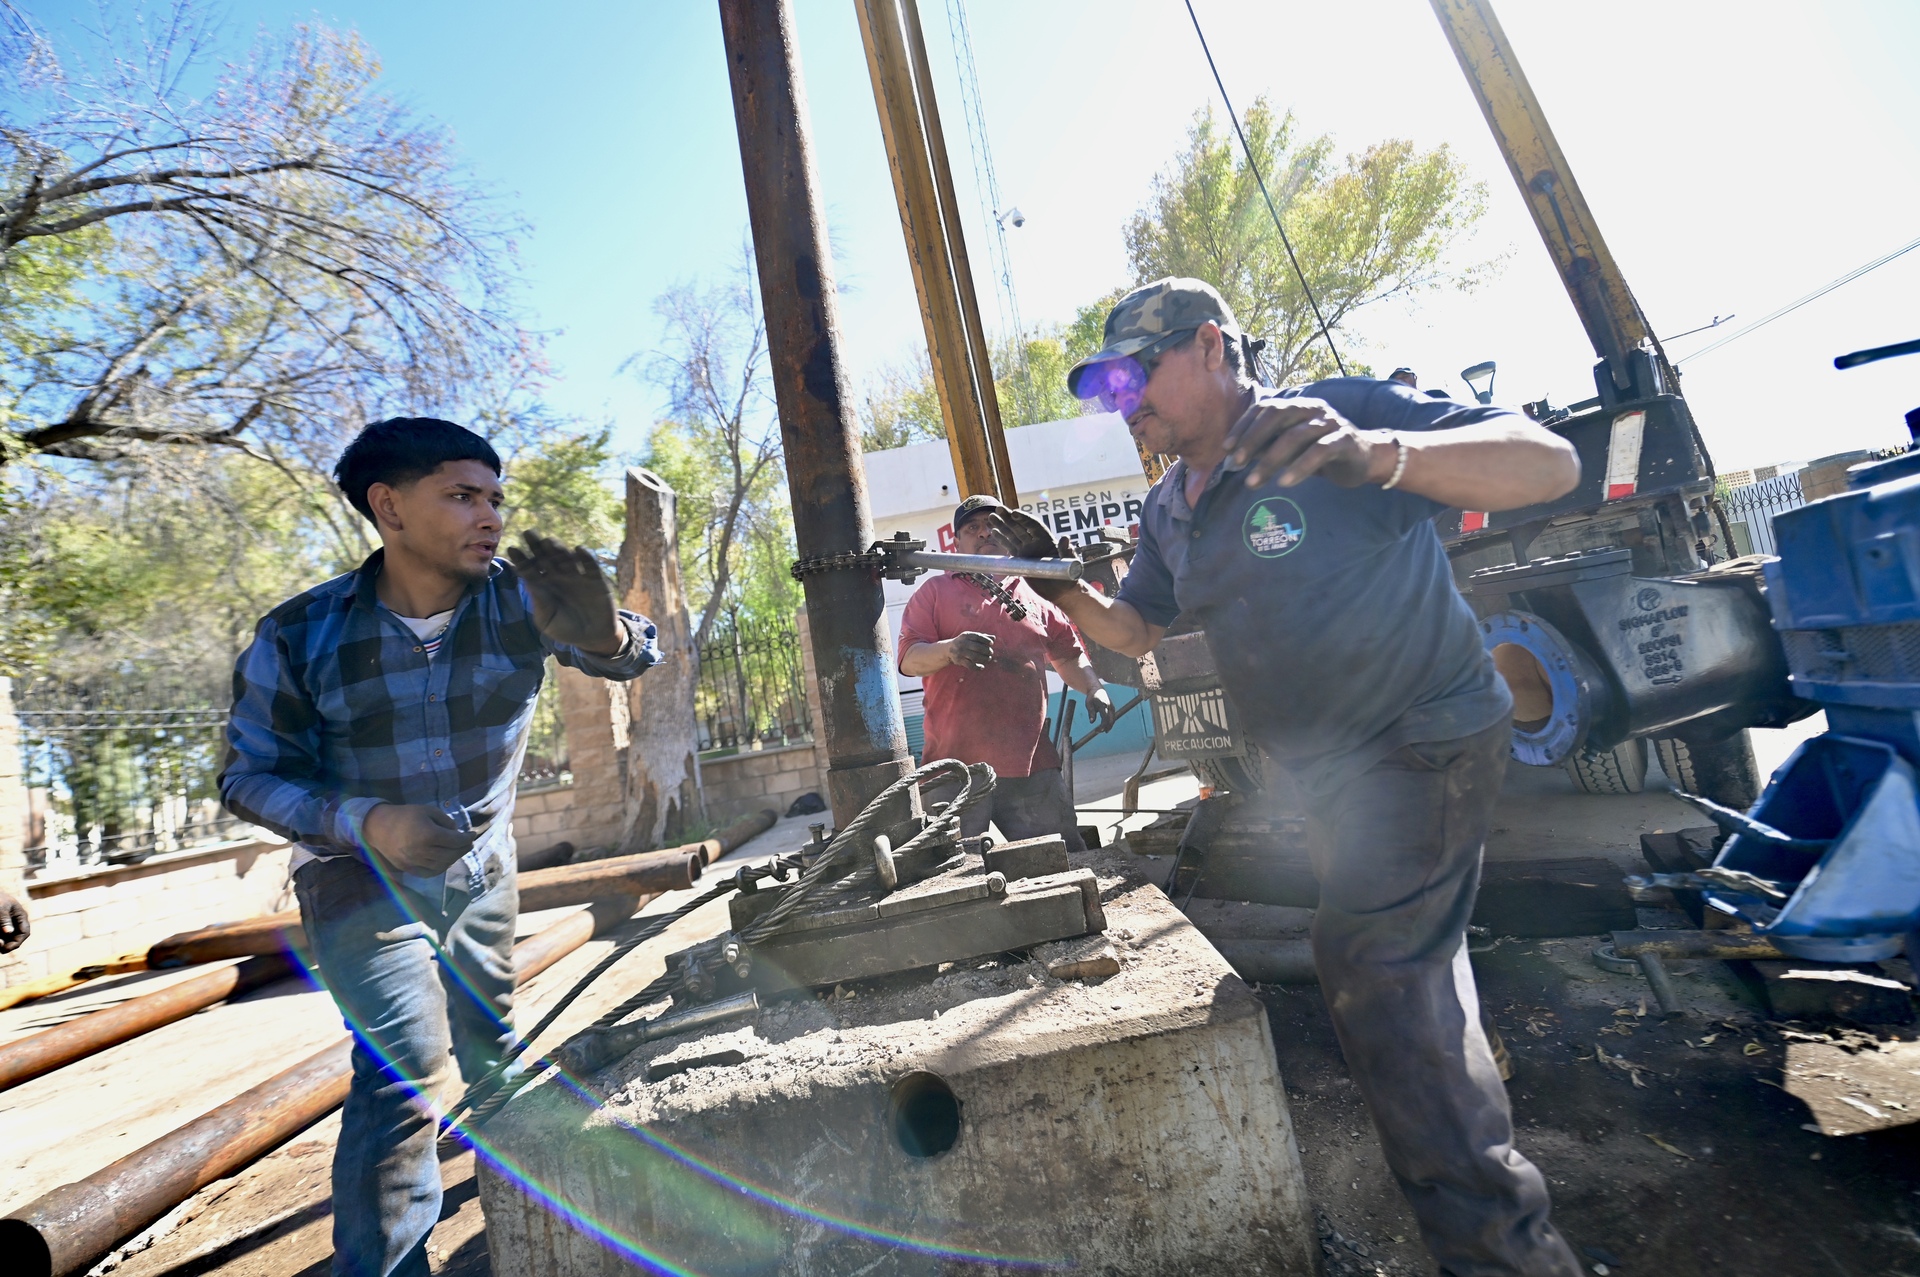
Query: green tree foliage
column 1380, row 224
column 563, row 485
column 901, row 405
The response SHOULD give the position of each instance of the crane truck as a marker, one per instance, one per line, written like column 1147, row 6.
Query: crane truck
column 1615, row 613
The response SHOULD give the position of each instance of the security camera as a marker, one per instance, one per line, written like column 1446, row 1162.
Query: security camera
column 1015, row 216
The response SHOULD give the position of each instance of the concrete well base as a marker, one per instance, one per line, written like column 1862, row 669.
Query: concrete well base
column 988, row 1119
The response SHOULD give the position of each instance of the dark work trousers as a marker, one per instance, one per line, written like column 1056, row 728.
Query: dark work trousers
column 1397, row 852
column 414, row 978
column 1022, row 806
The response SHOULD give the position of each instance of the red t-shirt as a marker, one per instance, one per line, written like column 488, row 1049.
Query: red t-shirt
column 994, row 715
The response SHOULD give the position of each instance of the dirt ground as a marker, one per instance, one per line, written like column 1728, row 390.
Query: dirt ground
column 1715, row 1143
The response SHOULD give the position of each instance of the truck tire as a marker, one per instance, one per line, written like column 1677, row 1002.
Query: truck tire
column 1243, row 776
column 1721, row 768
column 1620, row 770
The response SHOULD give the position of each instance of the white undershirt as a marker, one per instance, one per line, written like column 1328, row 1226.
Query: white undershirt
column 429, row 629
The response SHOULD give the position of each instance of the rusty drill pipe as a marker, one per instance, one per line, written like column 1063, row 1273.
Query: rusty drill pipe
column 67, row 1230
column 860, row 721
column 640, row 875
column 43, row 1052
column 736, row 835
column 629, row 876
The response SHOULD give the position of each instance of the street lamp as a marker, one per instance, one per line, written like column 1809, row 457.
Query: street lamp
column 1480, row 379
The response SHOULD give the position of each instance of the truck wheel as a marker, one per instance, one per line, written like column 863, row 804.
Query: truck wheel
column 1720, row 768
column 1620, row 770
column 1243, row 776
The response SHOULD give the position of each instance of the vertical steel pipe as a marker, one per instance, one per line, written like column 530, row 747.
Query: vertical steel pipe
column 846, row 610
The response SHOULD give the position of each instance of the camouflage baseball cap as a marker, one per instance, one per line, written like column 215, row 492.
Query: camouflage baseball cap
column 1153, row 312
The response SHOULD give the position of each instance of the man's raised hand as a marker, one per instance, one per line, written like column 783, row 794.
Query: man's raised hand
column 416, row 838
column 572, row 602
column 1295, row 438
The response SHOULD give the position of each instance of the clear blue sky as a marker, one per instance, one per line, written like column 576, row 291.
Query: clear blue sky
column 1736, row 155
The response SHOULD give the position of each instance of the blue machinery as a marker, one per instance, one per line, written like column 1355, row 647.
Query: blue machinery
column 1833, row 847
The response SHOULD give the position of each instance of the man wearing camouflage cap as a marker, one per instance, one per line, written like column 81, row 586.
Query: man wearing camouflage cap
column 1296, row 527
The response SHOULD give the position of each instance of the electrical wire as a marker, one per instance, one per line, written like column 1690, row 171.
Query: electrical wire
column 1254, row 164
column 1792, row 306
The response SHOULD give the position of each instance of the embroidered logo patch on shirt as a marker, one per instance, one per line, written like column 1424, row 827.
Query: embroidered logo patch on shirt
column 1274, row 526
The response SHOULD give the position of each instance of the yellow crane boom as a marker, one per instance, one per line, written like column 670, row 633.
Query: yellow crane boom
column 1619, row 331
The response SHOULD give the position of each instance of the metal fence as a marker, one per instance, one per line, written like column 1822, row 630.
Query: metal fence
column 114, row 784
column 1750, row 509
column 752, row 687
column 545, row 765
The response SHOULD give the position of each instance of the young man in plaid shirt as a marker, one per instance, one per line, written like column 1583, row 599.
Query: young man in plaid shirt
column 378, row 722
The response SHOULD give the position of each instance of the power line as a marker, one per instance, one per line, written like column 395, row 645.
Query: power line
column 1254, row 164
column 1792, row 306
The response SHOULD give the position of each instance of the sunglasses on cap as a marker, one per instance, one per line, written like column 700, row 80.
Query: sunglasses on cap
column 1118, row 384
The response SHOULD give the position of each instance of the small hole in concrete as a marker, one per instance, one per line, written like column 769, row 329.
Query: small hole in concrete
column 926, row 1115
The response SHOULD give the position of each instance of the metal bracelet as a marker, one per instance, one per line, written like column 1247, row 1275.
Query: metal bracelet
column 1399, row 464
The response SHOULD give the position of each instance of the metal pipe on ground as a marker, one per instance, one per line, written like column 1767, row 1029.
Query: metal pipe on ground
column 67, row 1230
column 644, row 874
column 866, row 737
column 1269, row 962
column 736, row 835
column 26, row 1058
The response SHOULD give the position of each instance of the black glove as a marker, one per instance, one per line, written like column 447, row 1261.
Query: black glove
column 14, row 927
column 971, row 649
column 1100, row 708
column 572, row 602
column 1030, row 539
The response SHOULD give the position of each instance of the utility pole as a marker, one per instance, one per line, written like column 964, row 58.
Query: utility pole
column 846, row 609
column 936, row 246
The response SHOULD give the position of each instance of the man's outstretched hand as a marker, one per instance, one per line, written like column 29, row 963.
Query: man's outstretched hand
column 14, row 927
column 572, row 602
column 1100, row 708
column 416, row 838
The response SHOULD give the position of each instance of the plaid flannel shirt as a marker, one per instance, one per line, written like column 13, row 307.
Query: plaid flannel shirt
column 336, row 708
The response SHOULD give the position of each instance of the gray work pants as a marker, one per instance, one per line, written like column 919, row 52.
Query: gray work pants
column 1397, row 853
column 1022, row 806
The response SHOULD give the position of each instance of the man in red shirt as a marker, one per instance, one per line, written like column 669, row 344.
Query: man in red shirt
column 985, row 673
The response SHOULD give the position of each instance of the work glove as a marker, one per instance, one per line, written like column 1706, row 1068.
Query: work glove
column 572, row 602
column 14, row 927
column 1028, row 538
column 971, row 650
column 1100, row 708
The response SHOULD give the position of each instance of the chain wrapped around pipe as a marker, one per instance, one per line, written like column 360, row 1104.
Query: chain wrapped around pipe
column 495, row 1089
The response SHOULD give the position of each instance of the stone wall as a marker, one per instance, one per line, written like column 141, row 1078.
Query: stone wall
column 119, row 909
column 744, row 783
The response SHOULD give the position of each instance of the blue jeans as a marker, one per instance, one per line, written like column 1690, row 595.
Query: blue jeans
column 415, row 977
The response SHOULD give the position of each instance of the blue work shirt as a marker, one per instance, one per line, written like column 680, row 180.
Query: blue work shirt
column 337, row 708
column 1331, row 611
